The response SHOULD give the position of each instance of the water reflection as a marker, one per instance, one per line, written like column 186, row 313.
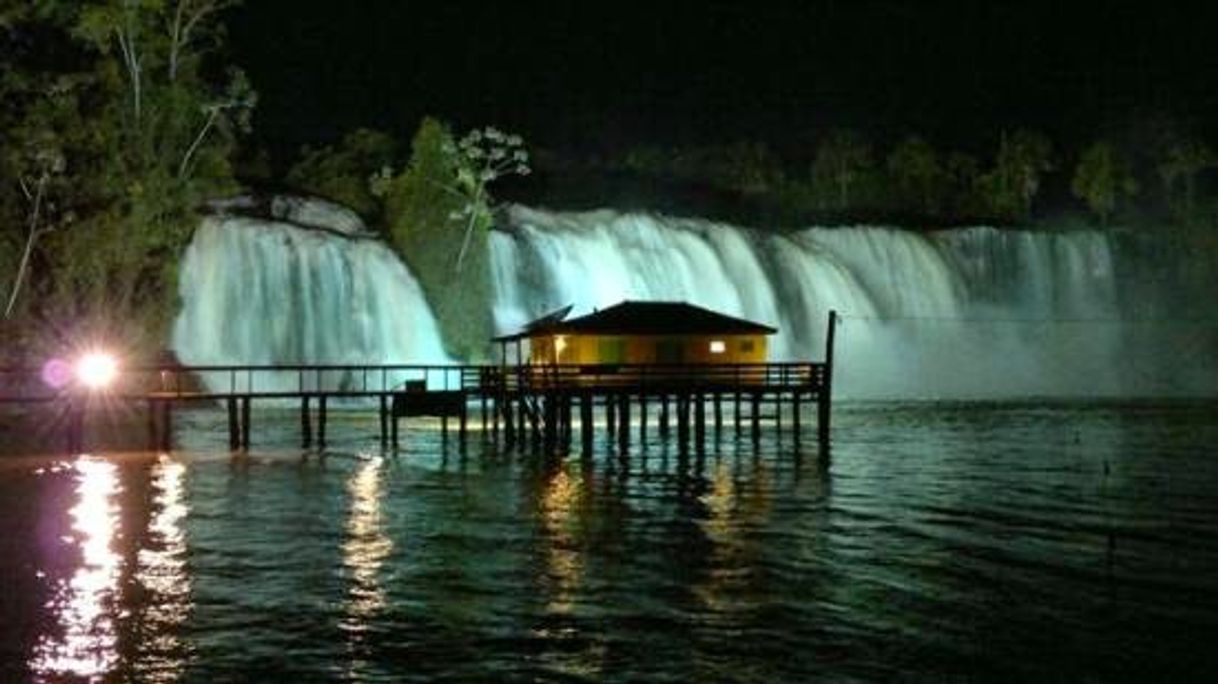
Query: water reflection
column 559, row 502
column 163, row 574
column 85, row 643
column 366, row 548
column 733, row 516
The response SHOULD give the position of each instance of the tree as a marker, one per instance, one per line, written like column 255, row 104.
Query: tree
column 842, row 161
column 439, row 214
column 1101, row 178
column 914, row 168
column 118, row 91
column 1180, row 162
column 346, row 172
column 1011, row 185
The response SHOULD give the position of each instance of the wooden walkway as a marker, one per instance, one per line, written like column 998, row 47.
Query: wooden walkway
column 519, row 406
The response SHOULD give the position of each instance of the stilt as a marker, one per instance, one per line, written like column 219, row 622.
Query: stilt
column 154, row 437
column 664, row 415
column 384, row 421
column 718, row 399
column 756, row 418
column 321, row 421
column 306, row 430
column 166, row 426
column 824, row 400
column 463, row 418
column 738, row 400
column 610, row 417
column 585, row 422
column 234, row 428
column 393, row 422
column 245, row 422
column 700, row 423
column 642, row 420
column 683, row 422
column 795, row 417
column 623, row 439
column 485, row 417
column 509, row 426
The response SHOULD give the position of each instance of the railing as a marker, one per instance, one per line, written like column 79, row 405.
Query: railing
column 293, row 380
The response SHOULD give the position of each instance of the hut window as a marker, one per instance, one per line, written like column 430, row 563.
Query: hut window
column 718, row 346
column 746, row 346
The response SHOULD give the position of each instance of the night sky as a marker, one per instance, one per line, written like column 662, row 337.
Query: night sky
column 583, row 77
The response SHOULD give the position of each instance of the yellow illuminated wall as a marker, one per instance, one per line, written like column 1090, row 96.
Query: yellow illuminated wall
column 647, row 349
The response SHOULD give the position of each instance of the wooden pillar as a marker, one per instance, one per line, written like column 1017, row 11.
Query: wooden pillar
column 585, row 422
column 642, row 419
column 384, row 421
column 683, row 422
column 444, row 427
column 509, row 425
column 154, row 437
column 393, row 422
column 245, row 422
column 234, row 428
column 738, row 400
column 795, row 417
column 306, row 430
column 610, row 416
column 663, row 415
column 485, row 417
column 824, row 399
column 463, row 419
column 700, row 422
column 718, row 399
column 321, row 421
column 756, row 417
column 166, row 442
column 623, row 436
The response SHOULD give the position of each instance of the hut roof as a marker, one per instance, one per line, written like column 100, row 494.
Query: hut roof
column 643, row 318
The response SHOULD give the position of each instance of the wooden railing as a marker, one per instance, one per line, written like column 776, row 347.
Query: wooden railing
column 293, row 380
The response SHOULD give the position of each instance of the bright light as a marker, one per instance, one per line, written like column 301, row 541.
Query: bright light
column 95, row 370
column 717, row 347
column 560, row 344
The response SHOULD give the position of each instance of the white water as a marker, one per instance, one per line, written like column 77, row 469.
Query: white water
column 969, row 313
column 258, row 291
column 952, row 314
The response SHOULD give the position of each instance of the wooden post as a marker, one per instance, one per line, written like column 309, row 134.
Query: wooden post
column 623, row 436
column 683, row 422
column 393, row 422
column 234, row 429
column 700, row 423
column 824, row 399
column 738, row 399
column 756, row 417
column 585, row 422
column 664, row 415
column 384, row 421
column 642, row 419
column 245, row 422
column 610, row 416
column 463, row 419
column 306, row 430
column 795, row 417
column 154, row 437
column 166, row 426
column 321, row 421
column 485, row 418
column 509, row 425
column 718, row 399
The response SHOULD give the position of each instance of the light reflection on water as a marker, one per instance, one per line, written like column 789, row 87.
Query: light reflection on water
column 84, row 644
column 941, row 541
column 163, row 574
column 364, row 552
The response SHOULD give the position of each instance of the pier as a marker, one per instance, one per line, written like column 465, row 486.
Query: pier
column 521, row 406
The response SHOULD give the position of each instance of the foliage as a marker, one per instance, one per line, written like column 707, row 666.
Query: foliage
column 913, row 167
column 115, row 133
column 1011, row 185
column 1101, row 178
column 843, row 161
column 439, row 215
column 1180, row 161
column 346, row 172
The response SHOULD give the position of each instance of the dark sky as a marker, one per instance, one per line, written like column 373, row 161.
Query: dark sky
column 588, row 75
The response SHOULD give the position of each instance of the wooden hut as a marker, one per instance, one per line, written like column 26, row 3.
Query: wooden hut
column 640, row 333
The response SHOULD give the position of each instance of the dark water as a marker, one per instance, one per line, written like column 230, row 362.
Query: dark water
column 960, row 542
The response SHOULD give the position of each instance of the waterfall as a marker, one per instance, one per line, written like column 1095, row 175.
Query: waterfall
column 964, row 313
column 265, row 291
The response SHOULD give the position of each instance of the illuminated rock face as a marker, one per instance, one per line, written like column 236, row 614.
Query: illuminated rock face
column 963, row 313
column 261, row 291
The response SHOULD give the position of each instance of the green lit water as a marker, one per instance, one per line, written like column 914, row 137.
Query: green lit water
column 943, row 541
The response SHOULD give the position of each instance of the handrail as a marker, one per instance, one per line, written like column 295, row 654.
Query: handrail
column 19, row 383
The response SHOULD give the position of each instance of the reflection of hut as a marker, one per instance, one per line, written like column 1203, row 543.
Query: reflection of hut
column 642, row 333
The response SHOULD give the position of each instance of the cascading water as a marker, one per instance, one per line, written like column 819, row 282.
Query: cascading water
column 264, row 291
column 949, row 314
column 961, row 313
